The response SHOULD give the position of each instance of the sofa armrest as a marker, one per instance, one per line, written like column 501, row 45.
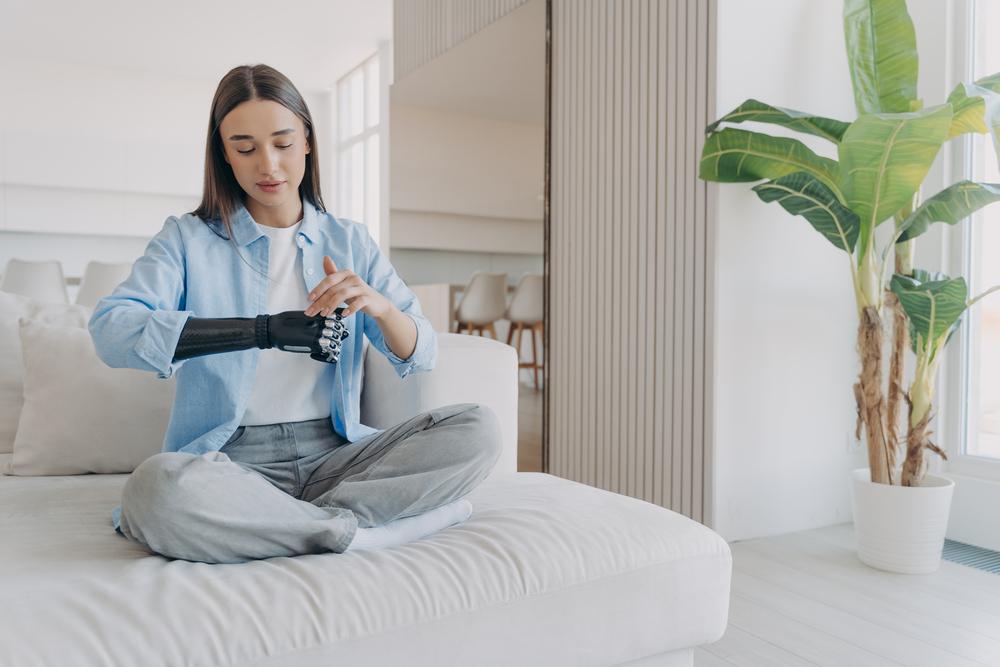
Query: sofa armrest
column 469, row 369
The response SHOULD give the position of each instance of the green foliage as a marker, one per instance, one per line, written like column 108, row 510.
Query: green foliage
column 934, row 304
column 951, row 205
column 884, row 159
column 732, row 156
column 882, row 53
column 803, row 194
column 752, row 110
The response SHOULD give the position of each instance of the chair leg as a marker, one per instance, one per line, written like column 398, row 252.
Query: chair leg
column 492, row 329
column 510, row 332
column 534, row 355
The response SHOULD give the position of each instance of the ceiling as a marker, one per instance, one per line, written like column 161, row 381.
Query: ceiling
column 499, row 72
column 313, row 42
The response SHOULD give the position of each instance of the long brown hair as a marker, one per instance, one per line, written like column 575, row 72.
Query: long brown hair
column 222, row 194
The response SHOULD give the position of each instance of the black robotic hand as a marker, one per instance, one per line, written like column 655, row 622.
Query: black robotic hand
column 294, row 331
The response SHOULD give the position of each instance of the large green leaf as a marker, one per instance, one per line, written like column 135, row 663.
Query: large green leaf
column 752, row 110
column 884, row 159
column 736, row 156
column 882, row 53
column 802, row 194
column 953, row 204
column 933, row 302
column 969, row 111
column 977, row 109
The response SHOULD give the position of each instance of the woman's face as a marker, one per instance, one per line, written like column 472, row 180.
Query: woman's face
column 265, row 143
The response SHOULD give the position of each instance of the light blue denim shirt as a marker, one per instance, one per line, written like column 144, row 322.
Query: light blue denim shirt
column 191, row 269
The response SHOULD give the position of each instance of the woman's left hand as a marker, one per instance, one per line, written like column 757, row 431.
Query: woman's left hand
column 340, row 286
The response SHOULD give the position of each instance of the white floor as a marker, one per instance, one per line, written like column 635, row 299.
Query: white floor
column 805, row 599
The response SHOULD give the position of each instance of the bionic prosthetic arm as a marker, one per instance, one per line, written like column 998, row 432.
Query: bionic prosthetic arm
column 292, row 331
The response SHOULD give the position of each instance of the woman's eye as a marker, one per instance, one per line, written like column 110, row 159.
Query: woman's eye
column 251, row 150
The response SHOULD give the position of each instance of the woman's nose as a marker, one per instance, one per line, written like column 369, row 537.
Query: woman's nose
column 269, row 161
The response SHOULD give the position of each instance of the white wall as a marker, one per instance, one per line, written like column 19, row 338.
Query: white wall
column 785, row 334
column 457, row 163
column 464, row 195
column 93, row 160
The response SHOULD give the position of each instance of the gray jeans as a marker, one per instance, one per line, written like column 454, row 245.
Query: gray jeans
column 299, row 487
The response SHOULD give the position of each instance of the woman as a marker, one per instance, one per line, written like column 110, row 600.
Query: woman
column 264, row 454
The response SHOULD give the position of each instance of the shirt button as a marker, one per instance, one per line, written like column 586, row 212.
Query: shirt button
column 309, row 271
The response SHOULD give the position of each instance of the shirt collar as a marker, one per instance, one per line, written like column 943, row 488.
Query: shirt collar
column 246, row 230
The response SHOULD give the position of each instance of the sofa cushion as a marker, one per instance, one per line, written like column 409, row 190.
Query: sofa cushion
column 546, row 571
column 12, row 308
column 79, row 415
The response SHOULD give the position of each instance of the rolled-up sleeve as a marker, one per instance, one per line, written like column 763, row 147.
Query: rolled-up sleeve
column 139, row 323
column 383, row 278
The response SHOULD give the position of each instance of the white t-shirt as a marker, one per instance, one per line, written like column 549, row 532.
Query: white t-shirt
column 289, row 386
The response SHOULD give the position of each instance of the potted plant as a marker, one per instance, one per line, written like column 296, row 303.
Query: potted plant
column 883, row 157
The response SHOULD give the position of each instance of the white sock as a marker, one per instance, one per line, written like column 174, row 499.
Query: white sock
column 411, row 528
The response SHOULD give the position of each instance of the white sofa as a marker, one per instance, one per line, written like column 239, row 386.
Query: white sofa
column 547, row 571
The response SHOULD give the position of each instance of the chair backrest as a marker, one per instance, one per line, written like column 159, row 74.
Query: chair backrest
column 528, row 303
column 99, row 280
column 42, row 280
column 484, row 299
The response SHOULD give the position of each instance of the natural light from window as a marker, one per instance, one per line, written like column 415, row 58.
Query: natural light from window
column 984, row 252
column 358, row 146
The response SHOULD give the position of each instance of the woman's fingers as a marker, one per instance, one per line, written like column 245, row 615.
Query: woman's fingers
column 333, row 298
column 330, row 281
column 354, row 306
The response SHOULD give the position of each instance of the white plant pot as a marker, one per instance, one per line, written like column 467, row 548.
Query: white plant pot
column 901, row 528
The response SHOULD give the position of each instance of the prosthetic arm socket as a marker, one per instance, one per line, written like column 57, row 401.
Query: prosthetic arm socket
column 291, row 331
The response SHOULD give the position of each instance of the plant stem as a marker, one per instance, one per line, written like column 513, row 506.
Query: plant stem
column 921, row 396
column 900, row 338
column 869, row 396
column 869, row 280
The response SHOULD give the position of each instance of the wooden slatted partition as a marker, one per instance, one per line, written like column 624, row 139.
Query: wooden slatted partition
column 630, row 248
column 424, row 29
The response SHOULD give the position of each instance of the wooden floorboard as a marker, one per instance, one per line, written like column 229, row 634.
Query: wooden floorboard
column 805, row 599
column 529, row 428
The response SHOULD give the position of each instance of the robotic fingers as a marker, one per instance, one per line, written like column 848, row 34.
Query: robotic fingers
column 294, row 331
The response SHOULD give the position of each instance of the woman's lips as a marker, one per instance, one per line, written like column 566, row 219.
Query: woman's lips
column 270, row 188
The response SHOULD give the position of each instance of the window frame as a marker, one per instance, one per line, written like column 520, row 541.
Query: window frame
column 371, row 219
column 956, row 392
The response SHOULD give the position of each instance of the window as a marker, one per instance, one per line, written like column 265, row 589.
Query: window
column 358, row 126
column 981, row 247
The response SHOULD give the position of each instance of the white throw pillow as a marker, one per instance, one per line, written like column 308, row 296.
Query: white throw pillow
column 80, row 415
column 12, row 308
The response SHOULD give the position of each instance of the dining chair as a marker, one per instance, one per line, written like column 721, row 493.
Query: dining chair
column 37, row 279
column 99, row 280
column 526, row 312
column 484, row 301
